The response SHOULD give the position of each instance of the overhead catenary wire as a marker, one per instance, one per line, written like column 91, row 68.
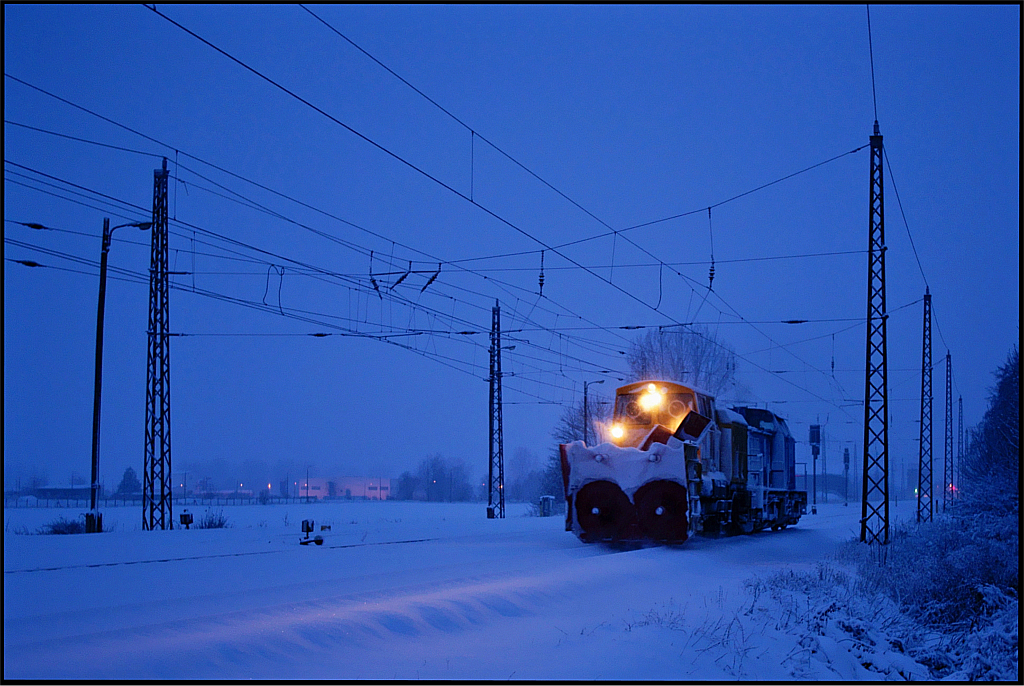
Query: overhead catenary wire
column 586, row 362
column 614, row 232
column 292, row 313
column 140, row 209
column 409, row 164
column 427, row 174
column 737, row 197
column 476, row 134
column 131, row 130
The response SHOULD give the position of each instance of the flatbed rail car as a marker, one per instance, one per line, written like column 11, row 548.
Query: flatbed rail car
column 672, row 465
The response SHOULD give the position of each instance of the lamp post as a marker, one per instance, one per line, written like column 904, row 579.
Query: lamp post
column 586, row 423
column 93, row 519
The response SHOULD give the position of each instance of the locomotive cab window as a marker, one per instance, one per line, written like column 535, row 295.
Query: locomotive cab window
column 647, row 407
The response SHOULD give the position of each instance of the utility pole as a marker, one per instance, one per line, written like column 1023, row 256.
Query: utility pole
column 874, row 521
column 156, row 490
column 815, row 441
column 496, row 464
column 925, row 504
column 824, row 469
column 846, row 477
column 947, row 462
column 94, row 519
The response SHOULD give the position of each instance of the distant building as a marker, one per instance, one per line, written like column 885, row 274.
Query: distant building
column 345, row 487
column 74, row 493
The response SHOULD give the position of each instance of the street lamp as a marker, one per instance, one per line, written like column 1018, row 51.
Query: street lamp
column 93, row 519
column 586, row 425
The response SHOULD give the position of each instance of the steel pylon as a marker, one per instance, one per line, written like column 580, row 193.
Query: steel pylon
column 156, row 489
column 496, row 465
column 874, row 525
column 925, row 505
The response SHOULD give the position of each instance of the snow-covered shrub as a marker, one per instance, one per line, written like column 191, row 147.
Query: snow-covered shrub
column 959, row 575
column 62, row 525
column 844, row 630
column 990, row 652
column 212, row 520
column 936, row 571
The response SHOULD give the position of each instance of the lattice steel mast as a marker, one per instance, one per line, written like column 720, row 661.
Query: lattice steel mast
column 496, row 466
column 947, row 463
column 925, row 506
column 156, row 489
column 874, row 525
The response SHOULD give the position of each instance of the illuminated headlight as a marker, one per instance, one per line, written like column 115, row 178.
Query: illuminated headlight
column 651, row 400
column 617, row 431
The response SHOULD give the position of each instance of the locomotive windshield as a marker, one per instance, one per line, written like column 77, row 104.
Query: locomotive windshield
column 650, row 406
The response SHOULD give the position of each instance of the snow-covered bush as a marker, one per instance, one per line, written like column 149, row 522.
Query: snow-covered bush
column 937, row 571
column 212, row 520
column 959, row 575
column 62, row 525
column 844, row 630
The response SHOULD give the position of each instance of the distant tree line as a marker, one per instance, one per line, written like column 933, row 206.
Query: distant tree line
column 436, row 479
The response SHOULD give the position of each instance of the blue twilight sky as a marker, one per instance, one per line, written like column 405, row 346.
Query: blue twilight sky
column 635, row 113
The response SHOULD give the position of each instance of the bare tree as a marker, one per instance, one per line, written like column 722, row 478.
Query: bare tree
column 991, row 469
column 569, row 429
column 692, row 356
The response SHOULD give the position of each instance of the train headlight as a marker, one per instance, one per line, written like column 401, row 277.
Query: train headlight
column 651, row 400
column 617, row 431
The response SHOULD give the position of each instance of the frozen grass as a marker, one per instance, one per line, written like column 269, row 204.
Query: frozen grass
column 939, row 571
column 212, row 520
column 828, row 609
column 63, row 525
column 957, row 580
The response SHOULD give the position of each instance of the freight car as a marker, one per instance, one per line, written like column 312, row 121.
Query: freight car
column 674, row 465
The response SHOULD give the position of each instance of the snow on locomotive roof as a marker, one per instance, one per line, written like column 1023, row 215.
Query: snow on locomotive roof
column 726, row 416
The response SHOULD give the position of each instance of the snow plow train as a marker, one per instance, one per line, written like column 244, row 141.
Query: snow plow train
column 674, row 465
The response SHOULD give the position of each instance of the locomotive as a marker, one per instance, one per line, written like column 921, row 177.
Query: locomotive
column 676, row 465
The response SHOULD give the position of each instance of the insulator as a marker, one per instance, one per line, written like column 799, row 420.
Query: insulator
column 711, row 274
column 540, row 280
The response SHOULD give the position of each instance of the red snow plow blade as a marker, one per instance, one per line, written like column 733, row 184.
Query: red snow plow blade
column 625, row 494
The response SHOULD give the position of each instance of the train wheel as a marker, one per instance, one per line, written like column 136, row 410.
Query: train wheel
column 603, row 511
column 661, row 507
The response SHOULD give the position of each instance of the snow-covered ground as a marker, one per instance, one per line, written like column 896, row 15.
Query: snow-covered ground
column 423, row 591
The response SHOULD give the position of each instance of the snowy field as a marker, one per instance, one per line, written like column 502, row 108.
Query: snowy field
column 406, row 591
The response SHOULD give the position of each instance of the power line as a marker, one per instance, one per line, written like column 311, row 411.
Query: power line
column 722, row 202
column 292, row 313
column 503, row 284
column 477, row 134
column 404, row 161
column 608, row 281
column 613, row 231
column 422, row 171
column 233, row 241
column 638, row 265
column 562, row 354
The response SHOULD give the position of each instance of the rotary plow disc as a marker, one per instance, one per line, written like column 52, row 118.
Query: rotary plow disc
column 661, row 507
column 604, row 512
